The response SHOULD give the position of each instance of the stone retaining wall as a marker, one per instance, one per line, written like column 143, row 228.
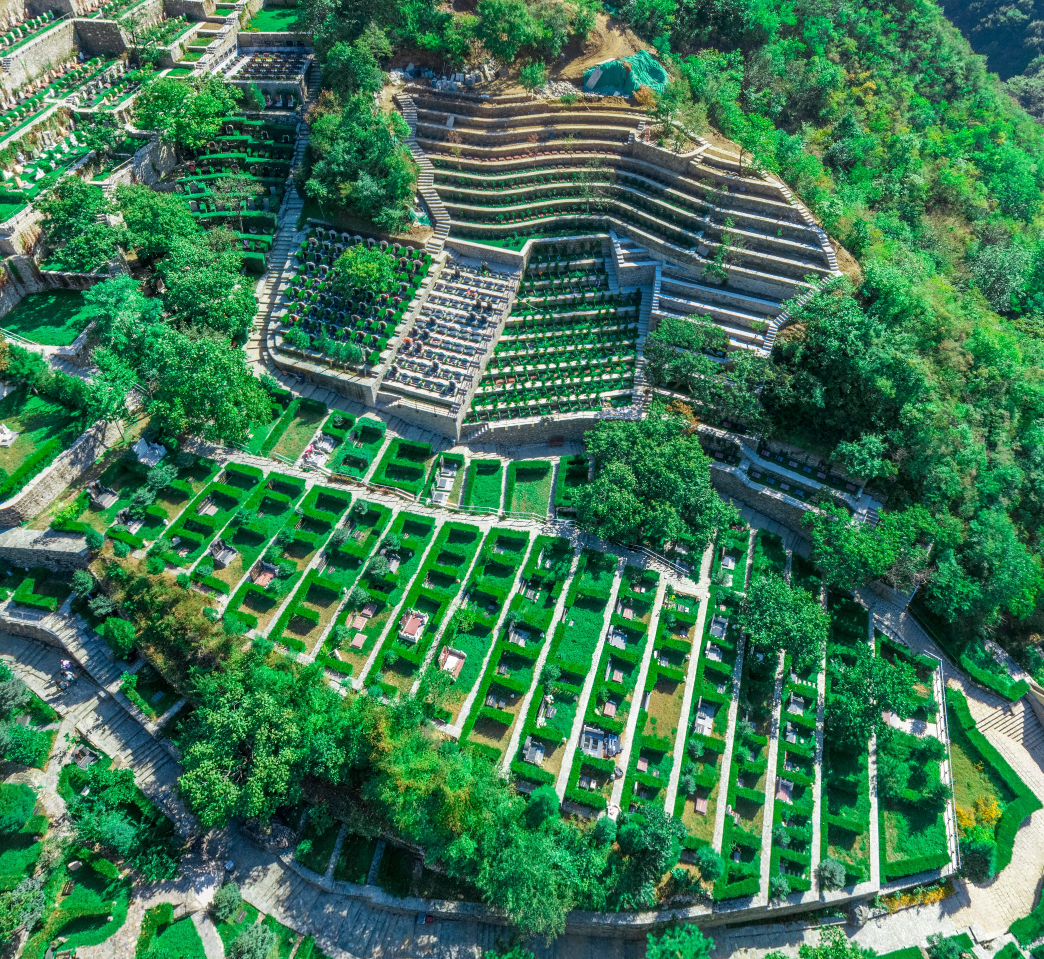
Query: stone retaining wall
column 45, row 486
column 769, row 502
column 42, row 547
column 41, row 53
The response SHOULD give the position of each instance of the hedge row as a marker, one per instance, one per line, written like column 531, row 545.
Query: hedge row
column 213, row 582
column 1025, row 803
column 745, row 887
column 915, row 865
column 135, row 542
column 29, row 467
column 1004, row 685
column 1029, row 928
column 25, row 596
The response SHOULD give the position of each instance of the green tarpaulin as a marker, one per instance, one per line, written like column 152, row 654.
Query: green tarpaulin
column 623, row 77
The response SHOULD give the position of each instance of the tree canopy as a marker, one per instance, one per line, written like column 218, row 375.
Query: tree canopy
column 187, row 112
column 652, row 483
column 779, row 617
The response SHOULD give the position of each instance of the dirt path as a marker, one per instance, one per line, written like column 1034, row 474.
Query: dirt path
column 610, row 39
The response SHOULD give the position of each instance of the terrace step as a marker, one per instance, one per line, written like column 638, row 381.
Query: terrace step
column 1016, row 722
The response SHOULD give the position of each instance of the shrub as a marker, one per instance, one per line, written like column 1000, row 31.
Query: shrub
column 254, row 942
column 94, row 539
column 119, row 634
column 226, row 902
column 831, row 874
column 779, row 886
column 710, row 864
column 121, row 549
column 155, row 565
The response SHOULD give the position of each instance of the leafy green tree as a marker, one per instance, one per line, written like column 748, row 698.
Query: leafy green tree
column 201, row 385
column 533, row 75
column 650, row 841
column 154, row 220
column 352, row 68
column 505, row 26
column 833, row 944
column 652, row 483
column 543, row 805
column 681, row 942
column 119, row 634
column 710, row 864
column 851, row 553
column 204, row 284
column 865, row 457
column 186, row 112
column 82, row 582
column 779, row 617
column 860, row 691
column 362, row 268
column 359, row 161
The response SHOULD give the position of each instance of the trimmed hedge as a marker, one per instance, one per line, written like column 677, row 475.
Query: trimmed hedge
column 135, row 542
column 1025, row 802
column 1029, row 928
column 29, row 467
column 911, row 867
column 24, row 596
column 214, row 583
column 745, row 887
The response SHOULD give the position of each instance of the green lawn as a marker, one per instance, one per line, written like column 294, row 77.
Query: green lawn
column 483, row 487
column 45, row 428
column 51, row 318
column 528, row 487
column 273, row 19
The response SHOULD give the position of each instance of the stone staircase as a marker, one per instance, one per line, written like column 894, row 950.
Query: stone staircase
column 1017, row 722
column 426, row 180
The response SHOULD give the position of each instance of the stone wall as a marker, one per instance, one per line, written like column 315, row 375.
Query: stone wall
column 431, row 418
column 661, row 158
column 533, row 431
column 193, row 10
column 41, row 53
column 767, row 501
column 153, row 161
column 43, row 547
column 360, row 389
column 103, row 37
column 258, row 40
column 493, row 254
column 45, row 486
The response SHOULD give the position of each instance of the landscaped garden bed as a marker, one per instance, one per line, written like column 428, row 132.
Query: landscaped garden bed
column 528, row 487
column 484, row 487
column 404, row 465
column 51, row 318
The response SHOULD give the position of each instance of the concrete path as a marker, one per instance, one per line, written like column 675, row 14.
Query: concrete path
column 770, row 779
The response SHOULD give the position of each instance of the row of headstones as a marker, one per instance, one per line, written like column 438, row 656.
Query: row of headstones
column 109, row 82
column 19, row 31
column 52, row 148
column 332, row 236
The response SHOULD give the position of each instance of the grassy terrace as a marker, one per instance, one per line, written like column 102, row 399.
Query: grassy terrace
column 404, row 466
column 615, row 691
column 437, row 584
column 316, row 602
column 45, row 428
column 488, row 589
column 573, row 472
column 528, row 487
column 846, row 777
column 572, row 650
column 350, row 642
column 484, row 486
column 509, row 673
column 51, row 318
column 568, row 345
column 699, row 788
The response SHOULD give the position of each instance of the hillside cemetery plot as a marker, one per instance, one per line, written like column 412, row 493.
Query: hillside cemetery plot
column 404, row 465
column 484, row 486
column 437, row 585
column 699, row 786
column 729, row 567
column 385, row 578
column 846, row 775
column 569, row 344
column 474, row 629
column 446, row 480
column 264, row 515
column 360, row 447
column 615, row 692
column 333, row 322
column 510, row 672
column 553, row 708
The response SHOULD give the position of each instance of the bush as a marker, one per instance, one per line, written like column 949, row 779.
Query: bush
column 155, row 565
column 254, row 942
column 831, row 874
column 119, row 634
column 121, row 549
column 710, row 864
column 226, row 902
column 94, row 539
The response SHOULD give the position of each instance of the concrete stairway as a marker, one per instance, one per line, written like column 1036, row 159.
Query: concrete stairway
column 1016, row 721
column 426, row 179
